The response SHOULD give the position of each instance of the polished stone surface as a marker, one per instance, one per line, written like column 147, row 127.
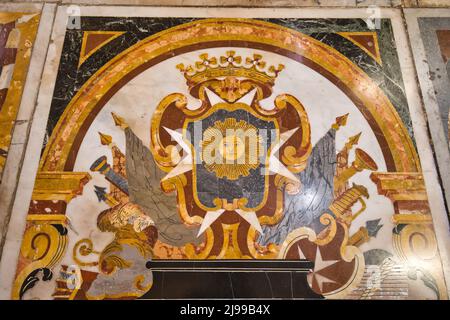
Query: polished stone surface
column 17, row 34
column 279, row 153
column 431, row 54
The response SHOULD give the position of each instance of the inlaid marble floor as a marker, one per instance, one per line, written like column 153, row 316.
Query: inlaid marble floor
column 230, row 153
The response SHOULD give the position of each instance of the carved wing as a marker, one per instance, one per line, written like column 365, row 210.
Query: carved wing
column 144, row 188
column 305, row 208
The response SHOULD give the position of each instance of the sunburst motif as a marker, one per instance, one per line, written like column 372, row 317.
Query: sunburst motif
column 230, row 148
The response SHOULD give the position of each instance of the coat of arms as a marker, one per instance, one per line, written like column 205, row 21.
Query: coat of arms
column 230, row 180
column 231, row 158
column 235, row 176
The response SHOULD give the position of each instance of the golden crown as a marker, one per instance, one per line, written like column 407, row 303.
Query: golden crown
column 230, row 65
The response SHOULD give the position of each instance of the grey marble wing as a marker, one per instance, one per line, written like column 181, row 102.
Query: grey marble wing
column 305, row 208
column 144, row 190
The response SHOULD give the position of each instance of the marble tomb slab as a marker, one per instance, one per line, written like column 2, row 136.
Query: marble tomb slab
column 213, row 153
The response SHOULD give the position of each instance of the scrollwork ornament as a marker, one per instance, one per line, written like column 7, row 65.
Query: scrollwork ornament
column 44, row 244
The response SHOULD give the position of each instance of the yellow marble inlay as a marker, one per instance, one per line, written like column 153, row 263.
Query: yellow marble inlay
column 231, row 148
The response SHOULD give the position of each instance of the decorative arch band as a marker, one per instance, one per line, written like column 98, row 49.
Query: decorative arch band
column 397, row 147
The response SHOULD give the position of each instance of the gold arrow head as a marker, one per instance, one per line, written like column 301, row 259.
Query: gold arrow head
column 353, row 140
column 105, row 139
column 119, row 121
column 340, row 121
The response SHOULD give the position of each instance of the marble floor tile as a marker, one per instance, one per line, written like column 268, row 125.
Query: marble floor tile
column 18, row 27
column 274, row 153
column 215, row 3
column 429, row 33
column 380, row 3
column 20, row 114
column 433, row 3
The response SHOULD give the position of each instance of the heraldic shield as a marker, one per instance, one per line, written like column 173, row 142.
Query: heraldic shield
column 237, row 157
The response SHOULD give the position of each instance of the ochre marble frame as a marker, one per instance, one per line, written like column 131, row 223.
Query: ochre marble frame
column 22, row 104
column 8, row 114
column 399, row 152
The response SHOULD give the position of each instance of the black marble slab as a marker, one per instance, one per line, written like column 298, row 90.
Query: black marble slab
column 227, row 279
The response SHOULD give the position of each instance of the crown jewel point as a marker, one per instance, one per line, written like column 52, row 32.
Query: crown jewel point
column 230, row 64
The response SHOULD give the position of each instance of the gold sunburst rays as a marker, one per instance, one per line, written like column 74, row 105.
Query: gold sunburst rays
column 231, row 148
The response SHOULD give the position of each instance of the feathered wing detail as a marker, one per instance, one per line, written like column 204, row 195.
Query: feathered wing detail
column 144, row 187
column 305, row 208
